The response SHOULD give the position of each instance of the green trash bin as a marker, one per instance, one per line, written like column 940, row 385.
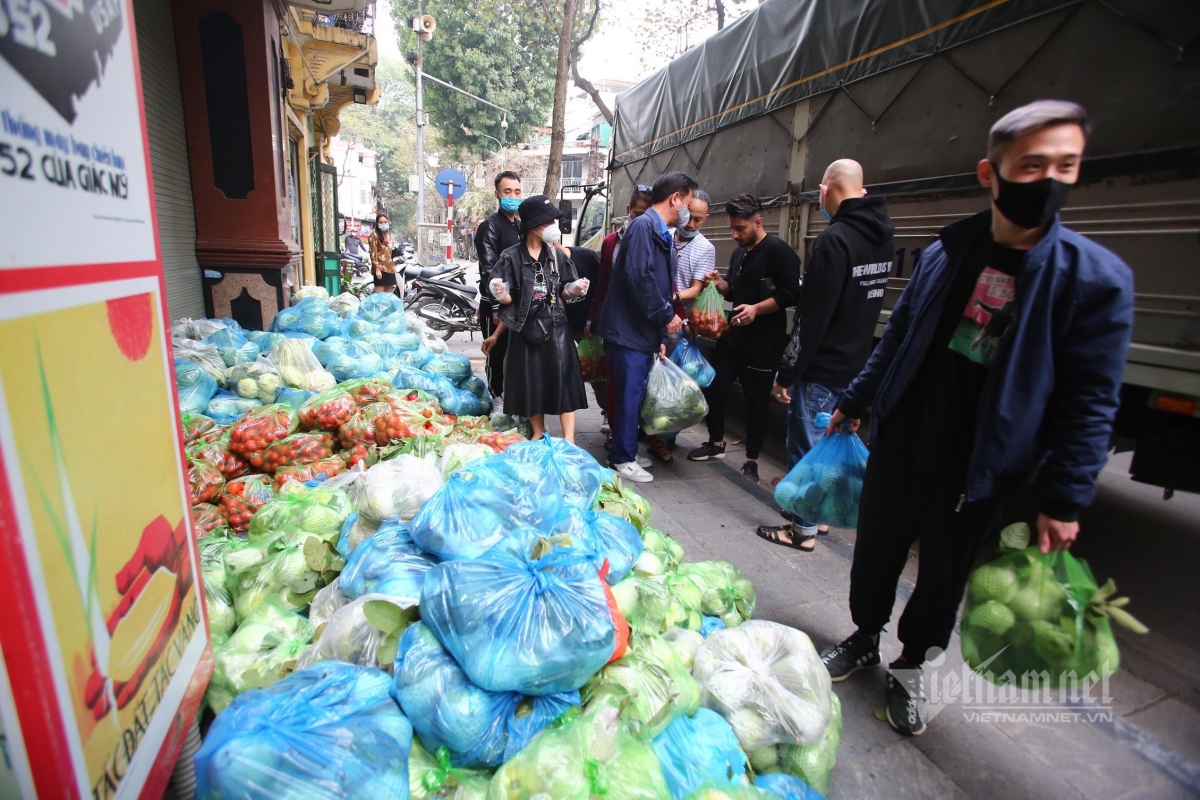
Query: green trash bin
column 332, row 279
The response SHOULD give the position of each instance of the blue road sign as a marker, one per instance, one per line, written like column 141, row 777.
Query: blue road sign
column 444, row 180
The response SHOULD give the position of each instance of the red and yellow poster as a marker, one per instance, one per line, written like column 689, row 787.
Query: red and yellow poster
column 103, row 634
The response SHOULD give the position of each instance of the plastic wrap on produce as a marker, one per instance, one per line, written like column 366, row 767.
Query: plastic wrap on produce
column 697, row 749
column 578, row 474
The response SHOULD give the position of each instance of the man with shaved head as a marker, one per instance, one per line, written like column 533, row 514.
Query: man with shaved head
column 834, row 328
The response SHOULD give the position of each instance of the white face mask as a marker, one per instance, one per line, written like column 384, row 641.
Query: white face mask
column 685, row 216
column 551, row 234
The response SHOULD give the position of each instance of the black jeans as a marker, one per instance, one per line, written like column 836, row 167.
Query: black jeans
column 756, row 372
column 495, row 359
column 904, row 500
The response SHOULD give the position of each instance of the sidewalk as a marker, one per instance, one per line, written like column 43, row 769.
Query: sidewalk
column 1052, row 751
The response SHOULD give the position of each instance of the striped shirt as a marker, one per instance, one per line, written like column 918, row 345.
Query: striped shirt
column 697, row 258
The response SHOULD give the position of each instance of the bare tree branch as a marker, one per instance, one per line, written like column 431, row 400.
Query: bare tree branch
column 575, row 45
column 586, row 85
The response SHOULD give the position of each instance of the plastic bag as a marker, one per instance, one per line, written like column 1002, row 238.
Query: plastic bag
column 329, row 731
column 206, row 517
column 204, row 482
column 527, row 616
column 453, row 367
column 233, row 347
column 250, row 436
column 227, row 408
column 256, row 379
column 243, row 497
column 411, row 378
column 415, row 359
column 687, row 357
column 344, row 303
column 378, row 307
column 299, row 368
column 434, row 778
column 311, row 316
column 811, row 763
column 194, row 386
column 327, row 411
column 355, row 328
column 649, row 685
column 295, row 398
column 711, row 624
column 620, row 500
column 644, row 602
column 260, row 652
column 352, row 635
column 685, row 643
column 217, row 454
column 667, row 550
column 767, row 681
column 593, row 361
column 355, row 360
column 707, row 317
column 318, row 292
column 205, row 356
column 358, row 430
column 311, row 472
column 825, row 486
column 480, row 504
column 299, row 448
column 397, row 488
column 700, row 748
column 479, row 728
column 219, row 603
column 264, row 339
column 578, row 475
column 724, row 591
column 1033, row 618
column 672, row 400
column 712, row 791
column 385, row 564
column 457, row 456
column 367, row 390
column 604, row 537
column 319, row 511
column 789, row 787
column 461, row 402
column 591, row 755
column 187, row 328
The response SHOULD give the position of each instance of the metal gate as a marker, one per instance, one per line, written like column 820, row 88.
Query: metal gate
column 325, row 223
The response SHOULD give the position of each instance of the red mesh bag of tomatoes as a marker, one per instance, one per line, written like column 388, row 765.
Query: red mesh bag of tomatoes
column 366, row 390
column 327, row 411
column 500, row 440
column 204, row 481
column 206, row 516
column 359, row 429
column 218, row 454
column 242, row 497
column 299, row 448
column 386, row 423
column 197, row 427
column 593, row 361
column 250, row 436
column 327, row 467
column 409, row 400
column 707, row 317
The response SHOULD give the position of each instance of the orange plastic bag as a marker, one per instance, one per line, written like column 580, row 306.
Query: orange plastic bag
column 620, row 624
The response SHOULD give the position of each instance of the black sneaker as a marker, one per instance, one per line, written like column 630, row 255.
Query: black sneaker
column 906, row 698
column 857, row 652
column 750, row 470
column 706, row 451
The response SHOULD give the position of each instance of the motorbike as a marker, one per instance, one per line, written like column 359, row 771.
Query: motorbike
column 447, row 307
column 413, row 274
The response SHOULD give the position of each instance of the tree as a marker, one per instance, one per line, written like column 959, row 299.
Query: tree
column 500, row 50
column 580, row 81
column 672, row 27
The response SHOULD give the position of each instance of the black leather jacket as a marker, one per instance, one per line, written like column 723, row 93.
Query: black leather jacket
column 496, row 234
column 517, row 269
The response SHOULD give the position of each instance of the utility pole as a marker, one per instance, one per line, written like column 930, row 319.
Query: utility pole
column 420, row 134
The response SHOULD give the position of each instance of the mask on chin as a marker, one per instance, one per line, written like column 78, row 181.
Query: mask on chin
column 1032, row 204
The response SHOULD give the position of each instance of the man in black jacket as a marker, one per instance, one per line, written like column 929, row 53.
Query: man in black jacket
column 834, row 329
column 763, row 280
column 496, row 234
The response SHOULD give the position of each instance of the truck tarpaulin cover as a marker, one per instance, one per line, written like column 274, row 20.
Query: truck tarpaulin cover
column 788, row 50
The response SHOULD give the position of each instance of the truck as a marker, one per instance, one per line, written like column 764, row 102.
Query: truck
column 910, row 91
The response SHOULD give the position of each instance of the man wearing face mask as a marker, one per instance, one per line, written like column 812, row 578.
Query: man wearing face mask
column 1001, row 364
column 496, row 234
column 638, row 314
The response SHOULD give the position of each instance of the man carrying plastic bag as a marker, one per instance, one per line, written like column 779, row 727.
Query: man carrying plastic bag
column 673, row 401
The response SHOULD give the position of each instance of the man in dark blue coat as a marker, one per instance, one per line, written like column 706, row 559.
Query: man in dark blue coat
column 638, row 312
column 1001, row 364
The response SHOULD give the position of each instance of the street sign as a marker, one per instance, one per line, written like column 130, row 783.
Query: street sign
column 445, row 178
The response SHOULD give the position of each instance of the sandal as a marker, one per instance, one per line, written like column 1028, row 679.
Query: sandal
column 771, row 534
column 659, row 449
column 790, row 517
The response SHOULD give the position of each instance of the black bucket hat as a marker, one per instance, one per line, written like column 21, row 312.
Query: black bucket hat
column 536, row 211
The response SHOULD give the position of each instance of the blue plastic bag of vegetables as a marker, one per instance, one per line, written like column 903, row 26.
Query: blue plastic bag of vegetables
column 354, row 360
column 386, row 564
column 478, row 727
column 700, row 748
column 328, row 731
column 311, row 316
column 478, row 506
column 226, row 407
column 789, row 787
column 451, row 366
column 415, row 359
column 579, row 475
column 410, row 378
column 687, row 357
column 194, row 385
column 294, row 397
column 603, row 536
column 461, row 403
column 377, row 307
column 825, row 486
column 233, row 346
column 530, row 615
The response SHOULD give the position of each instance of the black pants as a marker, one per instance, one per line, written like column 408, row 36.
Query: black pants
column 495, row 359
column 904, row 500
column 756, row 373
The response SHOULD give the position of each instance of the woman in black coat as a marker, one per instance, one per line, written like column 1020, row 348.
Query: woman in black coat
column 532, row 281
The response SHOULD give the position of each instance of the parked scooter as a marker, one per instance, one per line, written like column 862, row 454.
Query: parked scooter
column 446, row 306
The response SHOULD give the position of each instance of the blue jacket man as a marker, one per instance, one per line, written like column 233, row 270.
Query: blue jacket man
column 638, row 312
column 1001, row 365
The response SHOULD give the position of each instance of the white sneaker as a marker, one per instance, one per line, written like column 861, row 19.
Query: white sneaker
column 632, row 472
column 604, row 426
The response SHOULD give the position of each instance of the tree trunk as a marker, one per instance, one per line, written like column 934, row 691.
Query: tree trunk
column 558, row 132
column 720, row 14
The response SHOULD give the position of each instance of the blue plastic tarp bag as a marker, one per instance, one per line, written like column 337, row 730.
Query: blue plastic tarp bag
column 479, row 728
column 330, row 731
column 226, row 407
column 294, row 397
column 711, row 624
column 478, row 506
column 356, row 360
column 311, row 316
column 410, row 378
column 377, row 307
column 579, row 475
column 451, row 366
column 825, row 486
column 789, row 787
column 309, row 341
column 355, row 328
column 605, row 537
column 394, row 323
column 461, row 403
column 233, row 346
column 264, row 339
column 700, row 748
column 476, row 386
column 530, row 615
column 231, row 323
column 386, row 564
column 687, row 357
column 194, row 385
column 327, row 350
column 415, row 359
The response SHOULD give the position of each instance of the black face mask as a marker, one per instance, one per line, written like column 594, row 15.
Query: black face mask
column 1030, row 205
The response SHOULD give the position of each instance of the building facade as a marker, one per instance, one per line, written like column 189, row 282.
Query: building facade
column 357, row 176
